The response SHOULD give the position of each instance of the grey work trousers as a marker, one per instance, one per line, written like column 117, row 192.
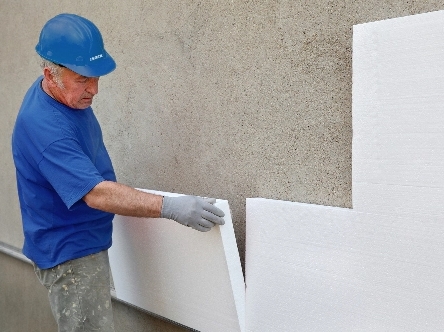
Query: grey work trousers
column 79, row 293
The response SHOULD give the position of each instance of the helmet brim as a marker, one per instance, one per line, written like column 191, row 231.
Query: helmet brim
column 96, row 68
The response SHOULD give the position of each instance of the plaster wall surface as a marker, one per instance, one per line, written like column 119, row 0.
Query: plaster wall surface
column 225, row 99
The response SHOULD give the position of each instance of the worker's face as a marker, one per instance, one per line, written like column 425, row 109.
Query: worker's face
column 74, row 90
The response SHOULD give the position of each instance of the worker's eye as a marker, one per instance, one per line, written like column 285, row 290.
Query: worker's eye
column 82, row 79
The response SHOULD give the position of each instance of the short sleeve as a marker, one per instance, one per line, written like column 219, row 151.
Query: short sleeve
column 69, row 170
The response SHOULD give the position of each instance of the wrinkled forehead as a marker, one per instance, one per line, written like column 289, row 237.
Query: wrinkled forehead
column 72, row 75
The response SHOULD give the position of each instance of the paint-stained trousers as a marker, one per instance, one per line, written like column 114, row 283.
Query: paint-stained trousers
column 79, row 293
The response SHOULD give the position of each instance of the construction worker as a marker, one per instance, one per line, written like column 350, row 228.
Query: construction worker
column 66, row 183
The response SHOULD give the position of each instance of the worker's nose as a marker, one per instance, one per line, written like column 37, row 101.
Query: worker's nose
column 93, row 86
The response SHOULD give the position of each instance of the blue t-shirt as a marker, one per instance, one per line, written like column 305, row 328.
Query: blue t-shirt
column 59, row 157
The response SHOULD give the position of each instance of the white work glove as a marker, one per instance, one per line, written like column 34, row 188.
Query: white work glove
column 192, row 211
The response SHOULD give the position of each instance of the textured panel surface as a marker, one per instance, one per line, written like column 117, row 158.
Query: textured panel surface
column 318, row 268
column 398, row 141
column 189, row 277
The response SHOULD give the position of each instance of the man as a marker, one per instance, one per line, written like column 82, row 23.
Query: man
column 66, row 183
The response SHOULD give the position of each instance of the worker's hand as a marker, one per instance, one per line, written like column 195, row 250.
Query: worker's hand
column 195, row 212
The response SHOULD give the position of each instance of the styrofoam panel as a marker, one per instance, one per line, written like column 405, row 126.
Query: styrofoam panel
column 189, row 277
column 383, row 161
column 398, row 145
column 318, row 268
column 401, row 120
column 394, row 199
column 380, row 171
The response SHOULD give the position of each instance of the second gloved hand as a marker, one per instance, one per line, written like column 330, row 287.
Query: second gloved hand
column 192, row 211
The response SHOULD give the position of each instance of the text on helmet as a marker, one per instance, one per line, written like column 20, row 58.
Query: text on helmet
column 96, row 57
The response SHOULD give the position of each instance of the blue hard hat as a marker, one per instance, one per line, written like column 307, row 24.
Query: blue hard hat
column 76, row 43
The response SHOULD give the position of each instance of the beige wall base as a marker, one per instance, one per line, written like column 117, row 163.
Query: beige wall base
column 24, row 304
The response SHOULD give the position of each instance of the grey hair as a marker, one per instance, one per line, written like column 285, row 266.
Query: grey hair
column 55, row 69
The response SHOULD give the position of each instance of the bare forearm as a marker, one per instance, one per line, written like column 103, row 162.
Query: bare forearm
column 120, row 199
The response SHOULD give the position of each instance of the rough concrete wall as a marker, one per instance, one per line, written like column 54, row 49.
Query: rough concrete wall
column 230, row 99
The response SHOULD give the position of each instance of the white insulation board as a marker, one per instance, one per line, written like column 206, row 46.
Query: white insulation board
column 398, row 118
column 380, row 266
column 319, row 268
column 189, row 277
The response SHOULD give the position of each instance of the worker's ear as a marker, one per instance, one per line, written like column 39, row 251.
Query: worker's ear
column 49, row 77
